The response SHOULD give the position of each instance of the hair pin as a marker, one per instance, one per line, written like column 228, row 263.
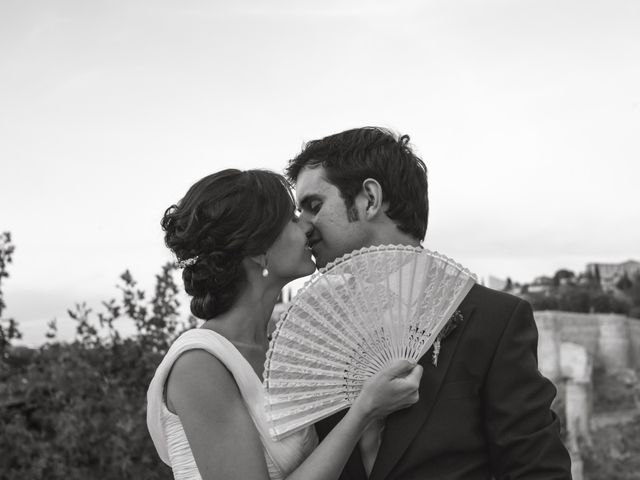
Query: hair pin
column 187, row 262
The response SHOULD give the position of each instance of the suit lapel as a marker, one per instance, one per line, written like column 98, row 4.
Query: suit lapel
column 354, row 468
column 402, row 426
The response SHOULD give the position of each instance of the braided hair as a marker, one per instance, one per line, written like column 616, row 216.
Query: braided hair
column 222, row 219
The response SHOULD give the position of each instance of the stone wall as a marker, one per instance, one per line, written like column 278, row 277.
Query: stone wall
column 612, row 340
column 634, row 335
column 569, row 346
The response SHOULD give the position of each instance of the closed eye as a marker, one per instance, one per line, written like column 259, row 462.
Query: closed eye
column 315, row 206
column 311, row 205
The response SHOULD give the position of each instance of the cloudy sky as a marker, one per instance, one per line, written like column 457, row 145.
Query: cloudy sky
column 526, row 112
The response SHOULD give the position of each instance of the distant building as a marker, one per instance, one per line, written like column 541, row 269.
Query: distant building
column 608, row 274
column 541, row 284
column 543, row 281
column 538, row 288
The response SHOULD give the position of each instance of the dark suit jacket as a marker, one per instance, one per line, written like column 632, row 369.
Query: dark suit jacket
column 483, row 411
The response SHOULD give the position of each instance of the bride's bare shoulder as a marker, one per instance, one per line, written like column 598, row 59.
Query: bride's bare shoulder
column 199, row 378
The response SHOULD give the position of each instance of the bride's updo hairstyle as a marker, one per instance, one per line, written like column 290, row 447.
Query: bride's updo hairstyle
column 222, row 219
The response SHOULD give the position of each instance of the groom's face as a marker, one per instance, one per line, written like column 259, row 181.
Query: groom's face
column 333, row 232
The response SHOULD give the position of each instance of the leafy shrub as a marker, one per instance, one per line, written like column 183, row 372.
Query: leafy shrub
column 78, row 410
column 615, row 392
column 614, row 453
column 8, row 326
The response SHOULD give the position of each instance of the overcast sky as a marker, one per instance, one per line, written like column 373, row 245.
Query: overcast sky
column 527, row 114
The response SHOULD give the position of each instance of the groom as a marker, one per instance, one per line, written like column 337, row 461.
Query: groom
column 484, row 409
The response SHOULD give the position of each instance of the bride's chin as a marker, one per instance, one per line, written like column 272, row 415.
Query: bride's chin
column 309, row 270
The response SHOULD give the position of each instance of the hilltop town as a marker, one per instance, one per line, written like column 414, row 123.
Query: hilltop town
column 600, row 288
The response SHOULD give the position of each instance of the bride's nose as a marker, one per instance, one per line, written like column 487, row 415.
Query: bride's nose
column 304, row 223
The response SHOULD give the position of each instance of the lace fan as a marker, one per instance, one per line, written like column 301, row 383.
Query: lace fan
column 350, row 320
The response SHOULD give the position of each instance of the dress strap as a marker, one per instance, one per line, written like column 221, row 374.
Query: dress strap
column 283, row 455
column 201, row 339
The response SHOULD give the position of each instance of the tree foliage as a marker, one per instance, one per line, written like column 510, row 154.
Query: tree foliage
column 78, row 410
column 585, row 294
column 562, row 274
column 8, row 327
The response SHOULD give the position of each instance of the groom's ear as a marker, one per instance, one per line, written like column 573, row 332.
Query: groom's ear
column 372, row 193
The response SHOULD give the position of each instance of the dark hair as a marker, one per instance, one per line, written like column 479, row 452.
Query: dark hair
column 222, row 219
column 352, row 156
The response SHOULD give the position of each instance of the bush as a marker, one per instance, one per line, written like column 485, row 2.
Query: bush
column 542, row 302
column 614, row 392
column 8, row 326
column 606, row 303
column 78, row 411
column 634, row 312
column 614, row 454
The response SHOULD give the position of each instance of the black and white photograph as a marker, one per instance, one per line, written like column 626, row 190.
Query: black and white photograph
column 287, row 240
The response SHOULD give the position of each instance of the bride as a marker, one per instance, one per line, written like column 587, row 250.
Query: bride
column 237, row 236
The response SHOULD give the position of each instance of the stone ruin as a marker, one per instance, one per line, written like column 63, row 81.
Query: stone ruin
column 570, row 345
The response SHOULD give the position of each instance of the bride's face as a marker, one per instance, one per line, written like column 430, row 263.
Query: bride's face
column 290, row 256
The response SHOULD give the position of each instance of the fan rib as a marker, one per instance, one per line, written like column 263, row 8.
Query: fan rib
column 351, row 319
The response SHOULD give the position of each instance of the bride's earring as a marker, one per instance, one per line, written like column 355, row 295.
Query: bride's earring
column 264, row 261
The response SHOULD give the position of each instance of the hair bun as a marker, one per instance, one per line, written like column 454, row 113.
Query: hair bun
column 222, row 219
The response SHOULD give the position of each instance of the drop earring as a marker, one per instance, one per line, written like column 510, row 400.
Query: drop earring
column 265, row 272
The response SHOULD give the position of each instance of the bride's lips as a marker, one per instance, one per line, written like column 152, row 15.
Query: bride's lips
column 311, row 243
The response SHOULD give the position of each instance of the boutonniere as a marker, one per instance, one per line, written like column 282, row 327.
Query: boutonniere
column 454, row 321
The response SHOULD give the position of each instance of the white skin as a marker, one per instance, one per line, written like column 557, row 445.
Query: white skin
column 332, row 234
column 203, row 393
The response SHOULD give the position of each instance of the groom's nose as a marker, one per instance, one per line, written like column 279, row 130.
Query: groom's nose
column 306, row 226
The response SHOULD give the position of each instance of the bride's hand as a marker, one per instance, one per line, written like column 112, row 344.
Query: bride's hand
column 391, row 389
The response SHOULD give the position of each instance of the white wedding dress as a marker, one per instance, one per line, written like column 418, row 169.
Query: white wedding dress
column 282, row 457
